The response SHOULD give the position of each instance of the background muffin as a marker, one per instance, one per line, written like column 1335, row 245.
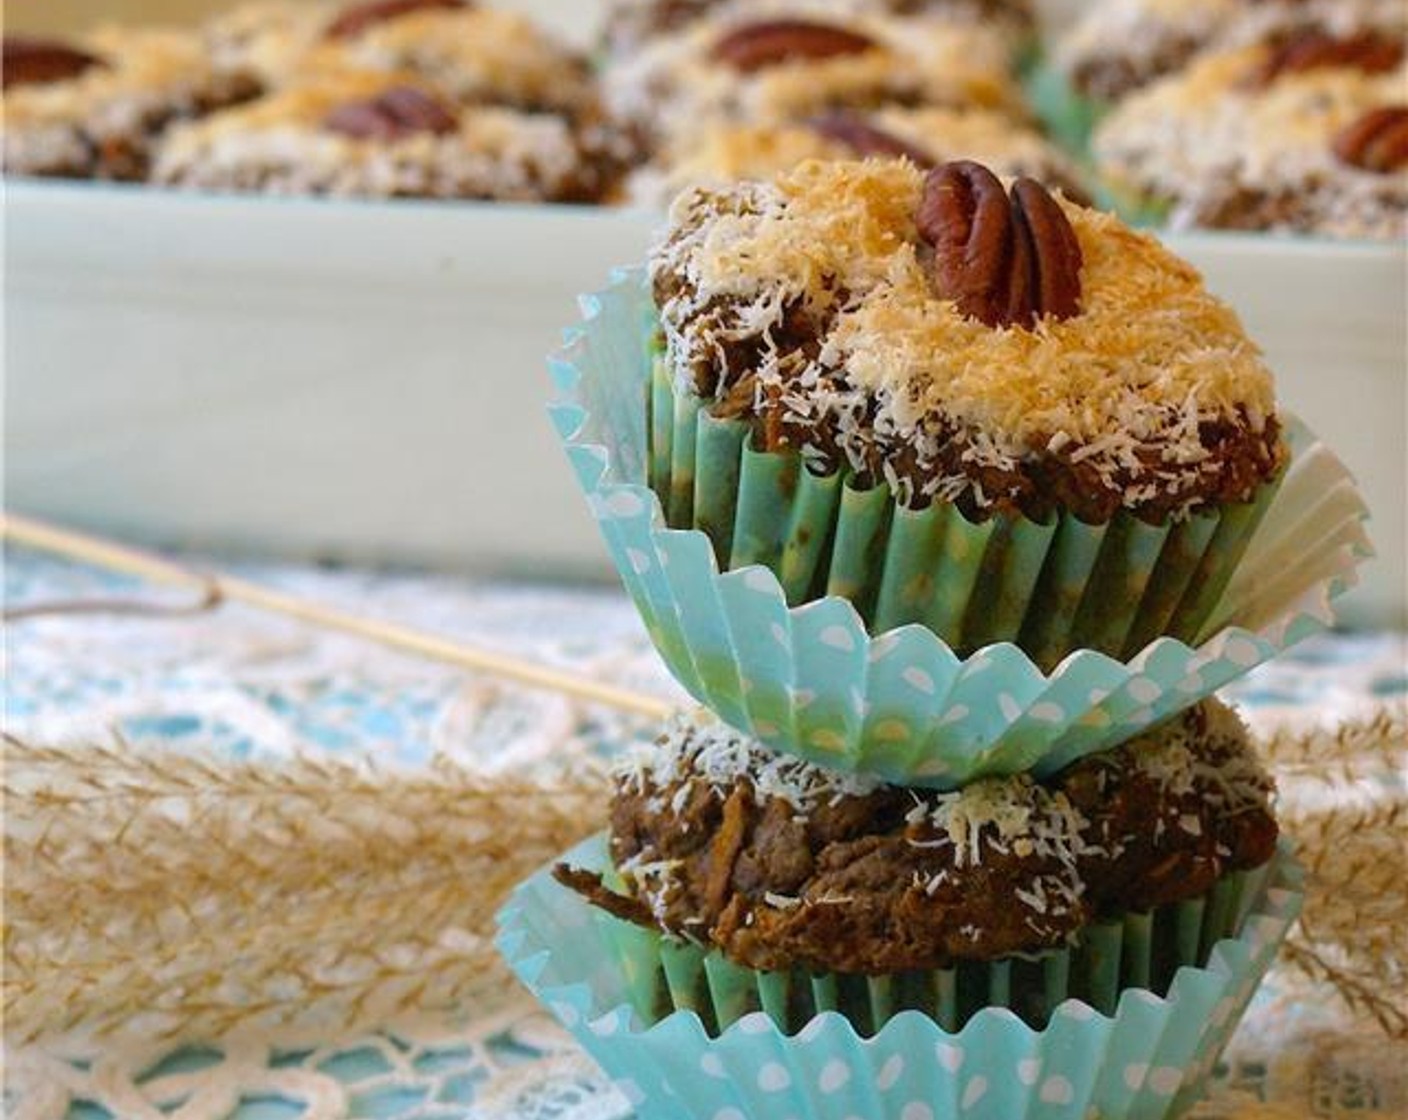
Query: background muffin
column 767, row 71
column 384, row 134
column 629, row 24
column 1300, row 135
column 1119, row 46
column 94, row 108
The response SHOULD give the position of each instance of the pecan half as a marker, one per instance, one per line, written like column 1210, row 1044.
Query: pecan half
column 1003, row 260
column 351, row 22
column 865, row 139
column 1312, row 50
column 391, row 115
column 755, row 46
column 40, row 61
column 1377, row 141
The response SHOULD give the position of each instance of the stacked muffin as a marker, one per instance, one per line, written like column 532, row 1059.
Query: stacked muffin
column 864, row 414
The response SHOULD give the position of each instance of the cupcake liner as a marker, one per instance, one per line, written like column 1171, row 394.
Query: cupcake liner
column 1140, row 950
column 1049, row 588
column 899, row 703
column 1148, row 1057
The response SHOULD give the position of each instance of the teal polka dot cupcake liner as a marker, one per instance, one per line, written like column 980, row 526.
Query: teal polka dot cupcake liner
column 738, row 1045
column 900, row 703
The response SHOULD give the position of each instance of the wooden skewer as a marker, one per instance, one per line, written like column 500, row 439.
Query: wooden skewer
column 118, row 557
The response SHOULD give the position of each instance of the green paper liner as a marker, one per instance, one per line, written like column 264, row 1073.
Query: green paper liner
column 1138, row 950
column 1049, row 588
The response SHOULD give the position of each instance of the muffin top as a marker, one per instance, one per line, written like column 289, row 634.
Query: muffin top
column 780, row 863
column 766, row 70
column 816, row 308
column 1251, row 138
column 723, row 153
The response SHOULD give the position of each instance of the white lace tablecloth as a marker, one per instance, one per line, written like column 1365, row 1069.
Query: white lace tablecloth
column 262, row 687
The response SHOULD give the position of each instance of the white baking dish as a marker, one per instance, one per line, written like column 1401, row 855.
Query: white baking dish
column 365, row 380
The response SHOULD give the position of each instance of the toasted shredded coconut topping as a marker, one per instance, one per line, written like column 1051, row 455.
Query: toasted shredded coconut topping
column 699, row 746
column 1124, row 386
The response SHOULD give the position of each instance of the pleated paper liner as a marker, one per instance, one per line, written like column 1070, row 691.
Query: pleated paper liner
column 1048, row 588
column 900, row 703
column 685, row 1035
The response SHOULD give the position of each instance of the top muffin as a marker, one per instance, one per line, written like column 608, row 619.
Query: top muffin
column 1007, row 353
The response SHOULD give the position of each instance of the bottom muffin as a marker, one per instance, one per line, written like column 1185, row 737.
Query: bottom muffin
column 781, row 865
column 1148, row 1058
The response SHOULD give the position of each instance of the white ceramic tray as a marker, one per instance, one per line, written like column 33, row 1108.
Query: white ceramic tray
column 366, row 380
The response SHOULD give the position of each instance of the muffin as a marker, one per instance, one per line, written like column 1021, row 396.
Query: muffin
column 629, row 24
column 726, row 153
column 865, row 384
column 1120, row 46
column 94, row 108
column 1295, row 136
column 780, row 865
column 383, row 134
column 769, row 71
column 782, row 940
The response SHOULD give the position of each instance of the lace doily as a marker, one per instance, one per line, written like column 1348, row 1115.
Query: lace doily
column 259, row 686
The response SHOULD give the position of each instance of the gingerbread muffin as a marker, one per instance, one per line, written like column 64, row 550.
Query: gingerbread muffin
column 769, row 71
column 955, row 381
column 382, row 134
column 1309, row 134
column 94, row 108
column 778, row 864
column 928, row 136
